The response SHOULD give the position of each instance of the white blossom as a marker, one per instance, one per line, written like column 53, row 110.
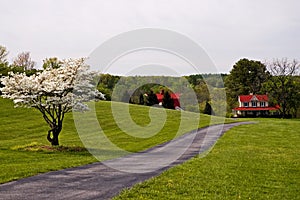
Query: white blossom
column 68, row 85
column 54, row 91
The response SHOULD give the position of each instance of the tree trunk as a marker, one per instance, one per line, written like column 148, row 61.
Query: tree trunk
column 55, row 139
column 55, row 133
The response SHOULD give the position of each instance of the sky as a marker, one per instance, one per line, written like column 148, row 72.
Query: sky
column 227, row 30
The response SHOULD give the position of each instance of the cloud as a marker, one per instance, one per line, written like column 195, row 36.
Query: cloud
column 228, row 30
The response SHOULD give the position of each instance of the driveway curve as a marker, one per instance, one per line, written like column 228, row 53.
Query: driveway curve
column 104, row 180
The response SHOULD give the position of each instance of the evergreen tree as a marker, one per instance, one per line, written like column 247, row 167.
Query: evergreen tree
column 152, row 99
column 167, row 101
column 141, row 102
column 208, row 109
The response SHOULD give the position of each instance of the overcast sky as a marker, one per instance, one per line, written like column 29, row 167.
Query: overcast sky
column 227, row 29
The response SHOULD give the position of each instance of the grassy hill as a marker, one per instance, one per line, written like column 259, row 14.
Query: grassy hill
column 24, row 150
column 255, row 161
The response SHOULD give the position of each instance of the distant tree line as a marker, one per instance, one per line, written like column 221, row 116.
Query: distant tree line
column 128, row 88
column 206, row 89
column 279, row 79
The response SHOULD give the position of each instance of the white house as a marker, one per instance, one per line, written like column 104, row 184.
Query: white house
column 254, row 105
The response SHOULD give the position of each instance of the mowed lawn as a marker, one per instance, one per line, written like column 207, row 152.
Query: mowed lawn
column 257, row 161
column 23, row 128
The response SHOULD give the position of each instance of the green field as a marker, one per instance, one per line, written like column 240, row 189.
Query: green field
column 257, row 161
column 23, row 133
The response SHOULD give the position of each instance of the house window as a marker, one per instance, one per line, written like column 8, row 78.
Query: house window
column 253, row 103
column 262, row 104
column 246, row 104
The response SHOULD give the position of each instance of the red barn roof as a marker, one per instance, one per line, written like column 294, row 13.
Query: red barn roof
column 248, row 98
column 174, row 96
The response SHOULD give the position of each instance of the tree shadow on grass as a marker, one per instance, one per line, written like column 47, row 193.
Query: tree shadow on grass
column 36, row 147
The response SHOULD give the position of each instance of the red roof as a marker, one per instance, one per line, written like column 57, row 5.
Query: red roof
column 248, row 98
column 255, row 108
column 173, row 96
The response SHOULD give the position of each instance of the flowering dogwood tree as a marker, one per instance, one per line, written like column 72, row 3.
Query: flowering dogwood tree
column 54, row 92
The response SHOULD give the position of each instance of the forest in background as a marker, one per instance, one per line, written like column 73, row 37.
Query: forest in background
column 196, row 91
column 210, row 93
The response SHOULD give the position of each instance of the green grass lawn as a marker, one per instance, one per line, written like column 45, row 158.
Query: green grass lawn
column 22, row 127
column 257, row 161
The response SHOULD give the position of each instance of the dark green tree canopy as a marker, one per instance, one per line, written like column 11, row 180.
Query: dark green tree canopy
column 284, row 86
column 246, row 76
column 152, row 99
column 208, row 109
column 167, row 101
